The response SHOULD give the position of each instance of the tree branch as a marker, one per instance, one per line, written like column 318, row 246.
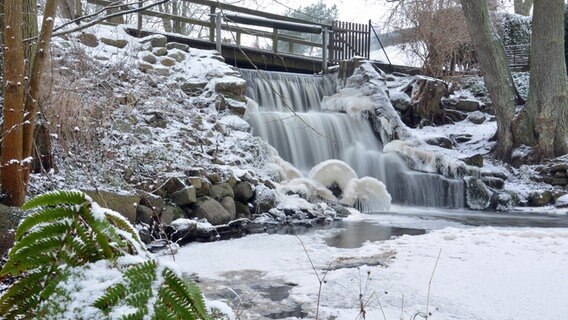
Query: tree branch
column 101, row 19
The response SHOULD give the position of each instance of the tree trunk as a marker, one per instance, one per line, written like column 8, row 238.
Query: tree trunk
column 69, row 9
column 12, row 131
column 523, row 7
column 30, row 30
column 495, row 69
column 36, row 76
column 543, row 122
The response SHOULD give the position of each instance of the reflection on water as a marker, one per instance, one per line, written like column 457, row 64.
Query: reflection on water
column 354, row 233
column 485, row 218
column 417, row 221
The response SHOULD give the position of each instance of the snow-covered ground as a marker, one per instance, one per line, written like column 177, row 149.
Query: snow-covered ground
column 482, row 273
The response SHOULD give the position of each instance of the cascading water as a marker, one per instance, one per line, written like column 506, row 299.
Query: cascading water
column 283, row 98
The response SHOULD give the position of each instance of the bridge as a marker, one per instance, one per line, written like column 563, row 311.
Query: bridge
column 250, row 38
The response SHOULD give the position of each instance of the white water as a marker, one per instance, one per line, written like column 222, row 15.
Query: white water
column 320, row 136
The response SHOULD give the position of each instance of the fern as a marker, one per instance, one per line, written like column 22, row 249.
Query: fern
column 55, row 248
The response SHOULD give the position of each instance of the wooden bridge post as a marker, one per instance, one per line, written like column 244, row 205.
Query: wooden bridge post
column 212, row 17
column 218, row 28
column 275, row 40
column 325, row 37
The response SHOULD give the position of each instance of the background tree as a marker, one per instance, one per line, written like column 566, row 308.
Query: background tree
column 13, row 111
column 543, row 122
column 20, row 99
column 317, row 12
column 434, row 31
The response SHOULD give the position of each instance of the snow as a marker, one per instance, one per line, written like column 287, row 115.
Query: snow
column 483, row 273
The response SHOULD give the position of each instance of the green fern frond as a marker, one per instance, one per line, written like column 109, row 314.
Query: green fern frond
column 163, row 313
column 189, row 294
column 44, row 216
column 56, row 198
column 112, row 296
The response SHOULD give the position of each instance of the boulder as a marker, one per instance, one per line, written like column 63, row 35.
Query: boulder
column 442, row 142
column 476, row 160
column 467, row 105
column 242, row 210
column 144, row 214
column 177, row 45
column 145, row 67
column 177, row 56
column 123, row 204
column 171, row 186
column 184, row 197
column 160, row 52
column 243, row 191
column 232, row 181
column 205, row 189
column 150, row 58
column 476, row 117
column 229, row 204
column 502, row 201
column 168, row 62
column 164, row 72
column 214, row 177
column 400, row 101
column 233, row 88
column 195, row 181
column 539, row 199
column 183, row 230
column 156, row 41
column 210, row 209
column 265, row 198
column 118, row 43
column 193, row 89
column 478, row 196
column 88, row 39
column 494, row 182
column 222, row 190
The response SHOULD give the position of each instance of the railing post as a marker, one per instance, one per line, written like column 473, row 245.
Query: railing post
column 140, row 19
column 275, row 41
column 325, row 35
column 212, row 17
column 218, row 25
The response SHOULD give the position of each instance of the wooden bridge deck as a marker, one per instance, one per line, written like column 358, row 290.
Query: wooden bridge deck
column 247, row 57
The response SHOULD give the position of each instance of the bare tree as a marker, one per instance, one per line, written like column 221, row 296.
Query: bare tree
column 434, row 31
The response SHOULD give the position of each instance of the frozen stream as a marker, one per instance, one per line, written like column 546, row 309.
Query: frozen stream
column 491, row 266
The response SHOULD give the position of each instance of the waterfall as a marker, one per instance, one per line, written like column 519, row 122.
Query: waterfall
column 311, row 136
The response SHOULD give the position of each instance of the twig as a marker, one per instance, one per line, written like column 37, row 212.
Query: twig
column 430, row 283
column 101, row 19
column 320, row 280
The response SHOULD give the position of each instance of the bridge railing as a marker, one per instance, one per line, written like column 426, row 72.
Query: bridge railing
column 201, row 24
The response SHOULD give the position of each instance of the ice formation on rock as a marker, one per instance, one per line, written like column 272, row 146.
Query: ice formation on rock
column 333, row 172
column 352, row 101
column 308, row 189
column 367, row 194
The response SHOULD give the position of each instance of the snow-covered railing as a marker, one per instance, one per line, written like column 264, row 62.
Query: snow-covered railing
column 230, row 25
